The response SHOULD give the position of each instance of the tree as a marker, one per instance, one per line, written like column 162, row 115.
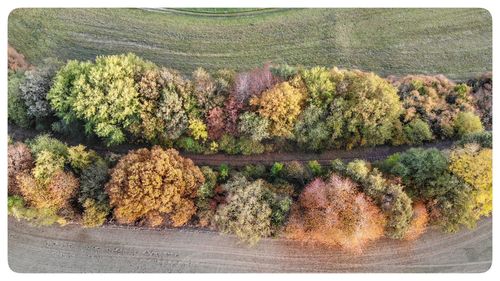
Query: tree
column 390, row 197
column 254, row 83
column 252, row 211
column 215, row 123
column 364, row 110
column 474, row 166
column 467, row 123
column 311, row 131
column 173, row 106
column 17, row 110
column 35, row 87
column 246, row 214
column 204, row 88
column 335, row 213
column 20, row 161
column 103, row 95
column 426, row 176
column 253, row 126
column 53, row 192
column 320, row 87
column 154, row 185
column 281, row 105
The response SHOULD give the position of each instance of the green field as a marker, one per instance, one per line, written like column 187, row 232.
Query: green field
column 455, row 42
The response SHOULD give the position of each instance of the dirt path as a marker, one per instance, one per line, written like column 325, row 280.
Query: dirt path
column 324, row 158
column 126, row 249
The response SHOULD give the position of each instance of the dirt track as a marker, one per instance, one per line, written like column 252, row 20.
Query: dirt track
column 324, row 158
column 124, row 249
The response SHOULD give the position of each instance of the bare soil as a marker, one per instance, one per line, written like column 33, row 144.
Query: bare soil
column 129, row 249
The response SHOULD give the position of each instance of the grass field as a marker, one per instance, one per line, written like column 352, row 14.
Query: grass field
column 455, row 42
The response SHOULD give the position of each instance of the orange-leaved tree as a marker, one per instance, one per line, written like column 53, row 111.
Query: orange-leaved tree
column 154, row 185
column 335, row 213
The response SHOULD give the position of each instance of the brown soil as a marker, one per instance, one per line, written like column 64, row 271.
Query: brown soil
column 324, row 158
column 130, row 249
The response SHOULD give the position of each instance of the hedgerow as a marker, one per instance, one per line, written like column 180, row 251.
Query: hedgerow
column 59, row 183
column 123, row 98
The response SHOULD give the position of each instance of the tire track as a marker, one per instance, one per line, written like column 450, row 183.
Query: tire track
column 130, row 249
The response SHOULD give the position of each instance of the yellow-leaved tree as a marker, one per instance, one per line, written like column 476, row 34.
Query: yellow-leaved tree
column 281, row 105
column 474, row 166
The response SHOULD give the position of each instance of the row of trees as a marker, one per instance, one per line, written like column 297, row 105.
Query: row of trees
column 123, row 98
column 342, row 204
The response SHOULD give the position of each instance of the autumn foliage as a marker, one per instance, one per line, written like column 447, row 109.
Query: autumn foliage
column 20, row 161
column 335, row 213
column 154, row 185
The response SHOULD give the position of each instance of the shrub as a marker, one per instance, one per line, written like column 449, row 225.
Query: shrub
column 94, row 213
column 276, row 169
column 315, row 168
column 474, row 166
column 435, row 100
column 198, row 129
column 484, row 139
column 92, row 181
column 281, row 105
column 335, row 213
column 311, row 132
column 467, row 123
column 20, row 161
column 482, row 93
column 16, row 109
column 249, row 146
column 254, row 171
column 417, row 131
column 189, row 144
column 296, row 173
column 80, row 158
column 153, row 184
column 419, row 221
column 229, row 144
column 52, row 193
column 42, row 217
column 365, row 110
column 35, row 87
column 206, row 193
column 16, row 61
column 284, row 71
column 253, row 126
column 45, row 142
column 47, row 164
column 223, row 171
